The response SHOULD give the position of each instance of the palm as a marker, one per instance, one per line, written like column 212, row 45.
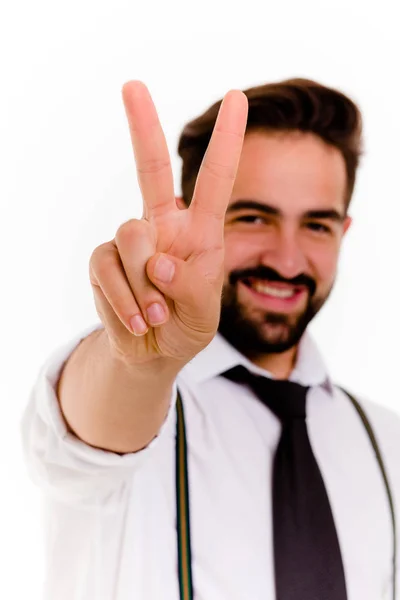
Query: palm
column 194, row 235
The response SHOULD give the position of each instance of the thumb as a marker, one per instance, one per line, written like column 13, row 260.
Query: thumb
column 187, row 283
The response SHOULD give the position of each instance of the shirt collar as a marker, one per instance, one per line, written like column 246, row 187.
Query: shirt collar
column 219, row 356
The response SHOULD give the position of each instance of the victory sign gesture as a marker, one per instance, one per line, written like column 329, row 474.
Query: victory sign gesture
column 157, row 285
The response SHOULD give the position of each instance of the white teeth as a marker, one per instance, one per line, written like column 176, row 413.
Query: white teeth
column 262, row 288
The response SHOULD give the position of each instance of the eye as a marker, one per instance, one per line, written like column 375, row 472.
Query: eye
column 251, row 219
column 318, row 227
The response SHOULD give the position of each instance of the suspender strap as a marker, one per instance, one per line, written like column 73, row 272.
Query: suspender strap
column 378, row 455
column 182, row 499
column 182, row 507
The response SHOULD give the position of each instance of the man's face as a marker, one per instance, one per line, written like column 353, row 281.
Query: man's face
column 283, row 230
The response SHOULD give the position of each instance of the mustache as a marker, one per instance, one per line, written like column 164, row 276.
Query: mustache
column 263, row 272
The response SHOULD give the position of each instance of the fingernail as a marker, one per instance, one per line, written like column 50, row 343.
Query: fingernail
column 164, row 269
column 139, row 326
column 155, row 313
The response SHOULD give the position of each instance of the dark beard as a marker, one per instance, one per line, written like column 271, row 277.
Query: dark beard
column 283, row 331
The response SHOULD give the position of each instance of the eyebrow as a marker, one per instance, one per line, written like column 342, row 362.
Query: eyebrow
column 331, row 214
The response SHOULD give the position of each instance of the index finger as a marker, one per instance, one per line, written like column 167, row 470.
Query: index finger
column 152, row 158
column 218, row 170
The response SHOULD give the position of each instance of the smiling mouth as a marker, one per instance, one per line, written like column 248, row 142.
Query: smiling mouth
column 274, row 289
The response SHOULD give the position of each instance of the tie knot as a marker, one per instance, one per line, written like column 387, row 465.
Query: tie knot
column 286, row 399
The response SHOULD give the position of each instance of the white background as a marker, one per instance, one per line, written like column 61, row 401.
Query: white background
column 68, row 180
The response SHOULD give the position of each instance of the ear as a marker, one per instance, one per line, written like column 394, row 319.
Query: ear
column 180, row 202
column 347, row 222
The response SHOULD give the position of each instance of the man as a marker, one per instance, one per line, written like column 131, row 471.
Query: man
column 193, row 448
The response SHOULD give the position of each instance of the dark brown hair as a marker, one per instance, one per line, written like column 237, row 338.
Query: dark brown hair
column 290, row 105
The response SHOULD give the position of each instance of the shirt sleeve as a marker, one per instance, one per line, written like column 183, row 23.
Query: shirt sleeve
column 63, row 466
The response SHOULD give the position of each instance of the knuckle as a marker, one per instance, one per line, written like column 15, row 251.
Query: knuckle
column 210, row 212
column 103, row 258
column 126, row 229
column 153, row 166
column 126, row 310
column 219, row 170
column 235, row 135
column 131, row 229
column 98, row 251
column 95, row 257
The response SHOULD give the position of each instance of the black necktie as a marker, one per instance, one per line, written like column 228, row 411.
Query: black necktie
column 308, row 562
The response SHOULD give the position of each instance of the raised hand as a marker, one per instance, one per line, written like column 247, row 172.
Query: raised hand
column 161, row 276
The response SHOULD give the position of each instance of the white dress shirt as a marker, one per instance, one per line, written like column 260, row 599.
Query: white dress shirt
column 111, row 520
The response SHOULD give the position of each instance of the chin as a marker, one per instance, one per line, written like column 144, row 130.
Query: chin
column 254, row 339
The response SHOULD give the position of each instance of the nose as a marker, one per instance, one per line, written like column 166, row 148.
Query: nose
column 285, row 254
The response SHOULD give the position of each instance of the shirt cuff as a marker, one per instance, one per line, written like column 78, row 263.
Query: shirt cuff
column 44, row 425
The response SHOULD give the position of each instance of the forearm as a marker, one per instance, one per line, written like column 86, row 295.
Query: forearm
column 109, row 405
